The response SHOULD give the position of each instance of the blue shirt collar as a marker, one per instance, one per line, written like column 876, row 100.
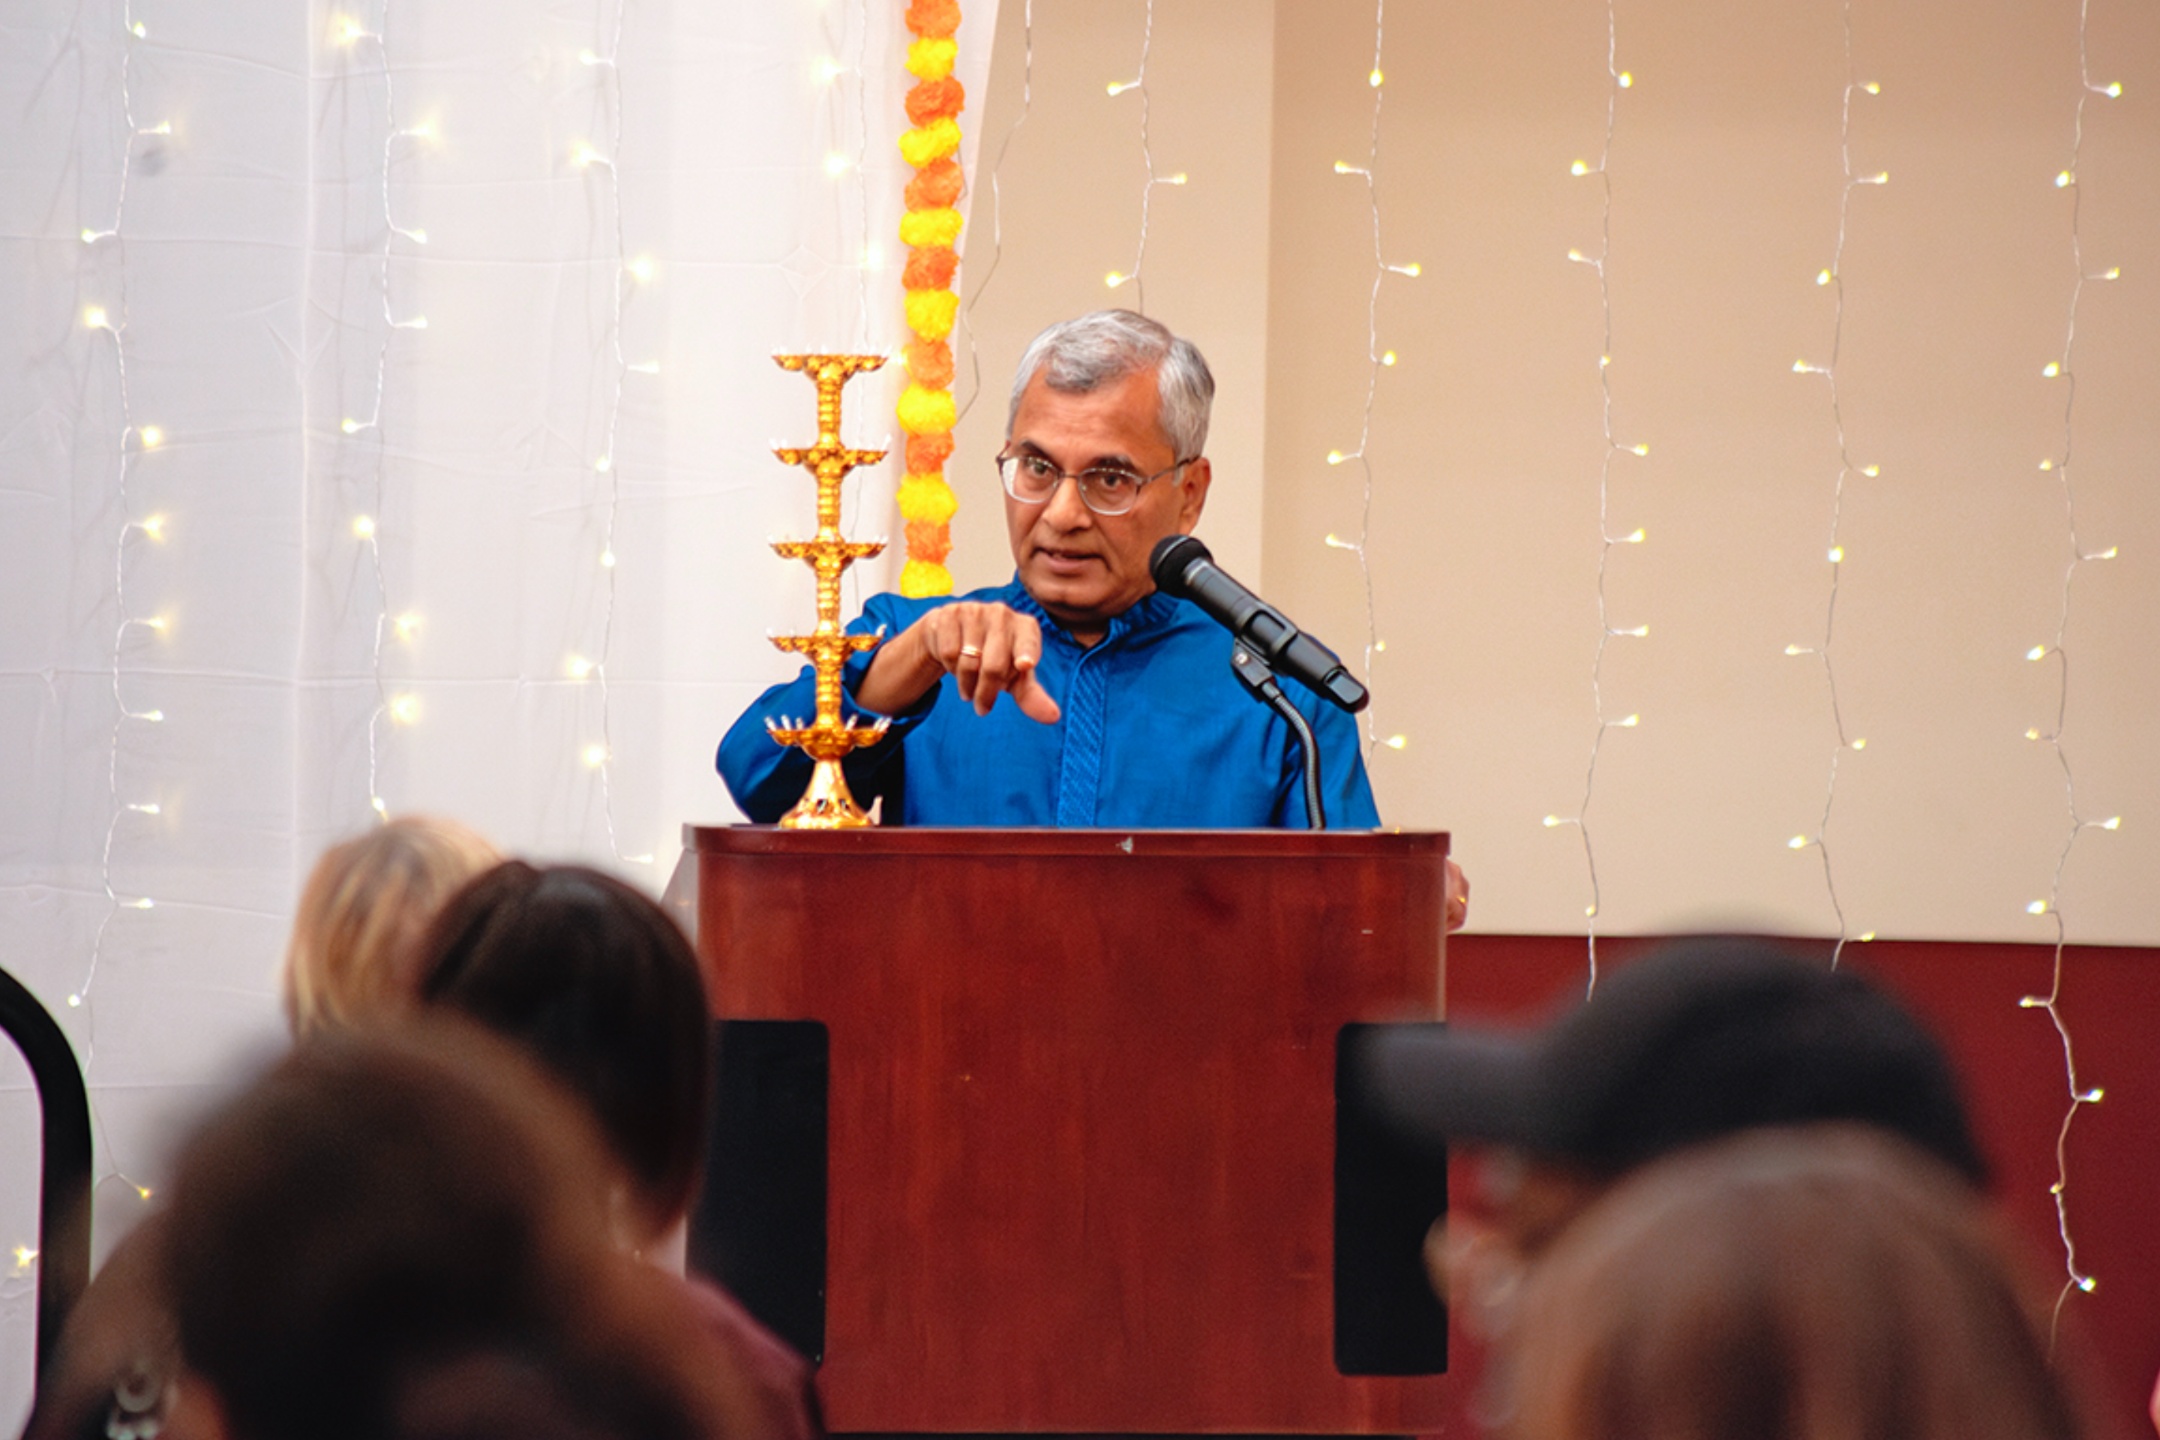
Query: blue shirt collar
column 1150, row 611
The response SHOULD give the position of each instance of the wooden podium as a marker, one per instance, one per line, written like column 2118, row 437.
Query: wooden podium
column 1082, row 1164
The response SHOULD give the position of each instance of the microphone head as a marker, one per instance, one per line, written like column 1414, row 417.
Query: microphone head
column 1173, row 558
column 1345, row 690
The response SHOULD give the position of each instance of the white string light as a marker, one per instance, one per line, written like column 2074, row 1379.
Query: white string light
column 347, row 33
column 867, row 255
column 1833, row 276
column 1376, row 360
column 1607, row 632
column 2080, row 1095
column 133, row 441
column 1132, row 277
column 997, row 204
column 624, row 275
column 854, row 167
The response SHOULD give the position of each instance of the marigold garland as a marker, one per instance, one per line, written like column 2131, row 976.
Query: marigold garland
column 930, row 229
column 938, row 185
column 930, row 268
column 930, row 313
column 931, row 364
column 926, row 453
column 932, row 501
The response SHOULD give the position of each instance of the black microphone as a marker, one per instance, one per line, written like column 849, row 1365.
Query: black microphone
column 1182, row 567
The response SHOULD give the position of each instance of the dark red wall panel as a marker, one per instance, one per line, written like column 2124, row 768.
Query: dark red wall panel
column 2011, row 1061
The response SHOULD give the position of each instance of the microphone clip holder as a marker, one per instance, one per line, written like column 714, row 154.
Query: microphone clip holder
column 1257, row 676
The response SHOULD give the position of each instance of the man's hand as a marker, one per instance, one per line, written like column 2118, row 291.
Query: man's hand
column 988, row 648
column 1458, row 896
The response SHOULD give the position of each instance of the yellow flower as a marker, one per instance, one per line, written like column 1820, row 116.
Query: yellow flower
column 927, row 497
column 930, row 313
column 926, row 412
column 930, row 227
column 931, row 59
column 935, row 141
column 919, row 580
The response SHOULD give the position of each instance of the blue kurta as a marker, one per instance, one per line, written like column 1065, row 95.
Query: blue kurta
column 1157, row 733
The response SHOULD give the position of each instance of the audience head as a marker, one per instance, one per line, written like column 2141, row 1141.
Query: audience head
column 593, row 980
column 1707, row 1038
column 387, row 1208
column 365, row 907
column 1807, row 1283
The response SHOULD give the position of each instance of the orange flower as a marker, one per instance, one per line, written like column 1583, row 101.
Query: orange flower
column 928, row 453
column 930, row 362
column 937, row 187
column 928, row 541
column 934, row 18
column 935, row 100
column 930, row 268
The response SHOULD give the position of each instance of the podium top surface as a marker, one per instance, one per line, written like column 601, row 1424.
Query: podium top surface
column 934, row 840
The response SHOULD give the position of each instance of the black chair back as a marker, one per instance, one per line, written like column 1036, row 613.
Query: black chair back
column 63, row 1265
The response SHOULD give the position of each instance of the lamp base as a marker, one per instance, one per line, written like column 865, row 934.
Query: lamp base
column 826, row 804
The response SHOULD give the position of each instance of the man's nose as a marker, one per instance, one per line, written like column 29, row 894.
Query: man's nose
column 1065, row 509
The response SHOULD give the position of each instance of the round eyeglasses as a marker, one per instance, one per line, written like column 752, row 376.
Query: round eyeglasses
column 1106, row 489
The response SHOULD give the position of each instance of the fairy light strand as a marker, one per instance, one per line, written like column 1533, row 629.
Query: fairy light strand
column 2075, row 1280
column 132, row 441
column 623, row 275
column 864, row 255
column 997, row 205
column 1833, row 276
column 367, row 527
column 1618, row 80
column 1139, row 83
column 1369, row 174
column 855, row 167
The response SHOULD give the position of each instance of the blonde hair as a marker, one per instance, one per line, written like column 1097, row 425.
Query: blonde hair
column 361, row 917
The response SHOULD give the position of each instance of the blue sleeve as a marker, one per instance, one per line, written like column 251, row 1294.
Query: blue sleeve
column 767, row 778
column 1345, row 789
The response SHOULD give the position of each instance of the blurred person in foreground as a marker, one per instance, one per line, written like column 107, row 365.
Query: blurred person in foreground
column 402, row 1233
column 1706, row 1038
column 593, row 981
column 366, row 903
column 1805, row 1283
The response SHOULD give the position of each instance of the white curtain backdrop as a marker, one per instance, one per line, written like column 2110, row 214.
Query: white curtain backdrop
column 385, row 413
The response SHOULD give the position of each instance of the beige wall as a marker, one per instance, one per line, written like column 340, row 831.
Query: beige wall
column 1072, row 179
column 1487, row 437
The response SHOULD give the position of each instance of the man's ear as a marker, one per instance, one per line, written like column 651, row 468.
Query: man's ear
column 1192, row 493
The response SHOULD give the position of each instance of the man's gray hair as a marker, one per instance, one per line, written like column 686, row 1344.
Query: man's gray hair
column 1076, row 357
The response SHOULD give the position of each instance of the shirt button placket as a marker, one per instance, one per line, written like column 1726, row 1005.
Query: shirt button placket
column 1080, row 768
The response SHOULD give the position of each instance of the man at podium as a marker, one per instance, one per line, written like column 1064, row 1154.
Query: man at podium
column 1077, row 694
